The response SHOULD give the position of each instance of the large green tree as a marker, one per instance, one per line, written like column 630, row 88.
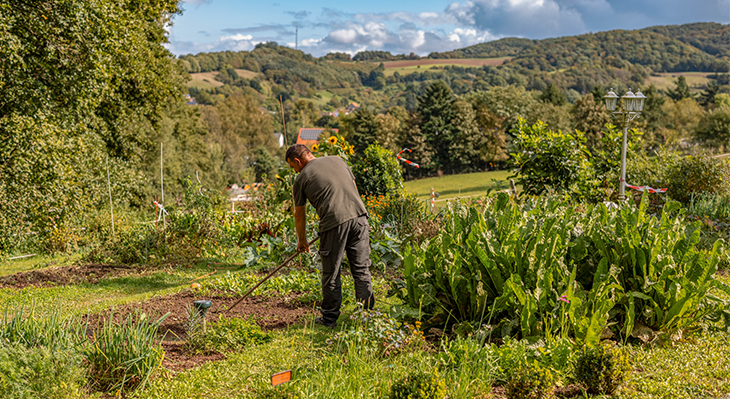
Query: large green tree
column 437, row 113
column 79, row 78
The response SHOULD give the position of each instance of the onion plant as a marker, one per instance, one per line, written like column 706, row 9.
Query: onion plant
column 123, row 356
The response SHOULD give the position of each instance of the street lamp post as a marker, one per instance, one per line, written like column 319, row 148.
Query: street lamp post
column 633, row 105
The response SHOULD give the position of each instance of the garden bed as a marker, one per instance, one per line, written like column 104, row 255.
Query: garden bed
column 67, row 275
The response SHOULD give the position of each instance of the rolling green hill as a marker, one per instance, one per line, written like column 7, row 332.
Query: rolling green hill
column 574, row 64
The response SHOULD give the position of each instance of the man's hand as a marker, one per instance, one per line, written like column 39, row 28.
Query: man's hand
column 302, row 246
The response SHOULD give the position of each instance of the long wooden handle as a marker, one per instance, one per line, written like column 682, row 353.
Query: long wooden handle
column 269, row 276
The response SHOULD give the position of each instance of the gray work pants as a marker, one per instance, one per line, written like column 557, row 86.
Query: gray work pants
column 351, row 237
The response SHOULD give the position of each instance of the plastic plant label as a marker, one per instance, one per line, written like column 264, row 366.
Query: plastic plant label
column 280, row 378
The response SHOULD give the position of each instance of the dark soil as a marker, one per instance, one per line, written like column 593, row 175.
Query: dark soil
column 67, row 275
column 269, row 313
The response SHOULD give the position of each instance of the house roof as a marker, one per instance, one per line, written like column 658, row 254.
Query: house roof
column 309, row 135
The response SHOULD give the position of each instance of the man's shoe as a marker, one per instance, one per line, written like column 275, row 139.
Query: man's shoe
column 322, row 322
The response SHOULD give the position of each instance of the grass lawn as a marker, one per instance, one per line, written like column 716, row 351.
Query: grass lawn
column 463, row 185
column 325, row 97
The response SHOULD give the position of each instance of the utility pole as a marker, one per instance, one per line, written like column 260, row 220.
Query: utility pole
column 296, row 36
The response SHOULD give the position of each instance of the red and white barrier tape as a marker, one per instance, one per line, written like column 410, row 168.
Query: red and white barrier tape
column 405, row 160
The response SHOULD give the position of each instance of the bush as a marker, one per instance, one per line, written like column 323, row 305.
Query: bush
column 122, row 357
column 548, row 160
column 530, row 382
column 419, row 386
column 40, row 372
column 602, row 369
column 696, row 175
column 377, row 172
column 548, row 268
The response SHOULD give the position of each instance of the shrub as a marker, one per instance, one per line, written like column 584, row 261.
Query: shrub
column 122, row 357
column 40, row 372
column 548, row 160
column 549, row 268
column 377, row 172
column 419, row 386
column 696, row 175
column 602, row 369
column 530, row 382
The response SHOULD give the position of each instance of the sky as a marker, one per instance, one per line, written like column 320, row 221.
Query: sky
column 415, row 26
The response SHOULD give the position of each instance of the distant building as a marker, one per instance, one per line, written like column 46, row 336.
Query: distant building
column 189, row 100
column 279, row 137
column 309, row 135
column 346, row 110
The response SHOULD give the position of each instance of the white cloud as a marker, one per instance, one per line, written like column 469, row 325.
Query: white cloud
column 428, row 15
column 236, row 38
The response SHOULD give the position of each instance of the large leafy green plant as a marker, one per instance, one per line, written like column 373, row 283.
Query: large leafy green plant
column 548, row 268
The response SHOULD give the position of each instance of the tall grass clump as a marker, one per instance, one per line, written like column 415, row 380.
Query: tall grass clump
column 122, row 356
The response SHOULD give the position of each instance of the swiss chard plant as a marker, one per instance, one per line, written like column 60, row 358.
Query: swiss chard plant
column 548, row 268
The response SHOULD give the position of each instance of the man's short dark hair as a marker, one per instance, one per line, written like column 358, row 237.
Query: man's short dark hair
column 296, row 151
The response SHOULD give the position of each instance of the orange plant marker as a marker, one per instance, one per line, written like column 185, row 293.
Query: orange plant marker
column 280, row 378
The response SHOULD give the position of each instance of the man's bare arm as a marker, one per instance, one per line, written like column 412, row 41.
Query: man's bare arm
column 300, row 222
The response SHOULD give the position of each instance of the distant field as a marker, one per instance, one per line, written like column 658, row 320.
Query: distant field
column 409, row 66
column 453, row 186
column 206, row 80
column 695, row 80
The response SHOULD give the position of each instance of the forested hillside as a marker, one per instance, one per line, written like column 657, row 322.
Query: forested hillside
column 89, row 82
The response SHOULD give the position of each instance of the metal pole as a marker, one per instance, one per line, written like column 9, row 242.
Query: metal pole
column 162, row 185
column 111, row 204
column 622, row 182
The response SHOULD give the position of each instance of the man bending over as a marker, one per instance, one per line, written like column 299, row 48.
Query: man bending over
column 329, row 186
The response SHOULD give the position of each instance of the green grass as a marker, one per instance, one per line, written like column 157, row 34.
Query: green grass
column 699, row 368
column 324, row 98
column 463, row 185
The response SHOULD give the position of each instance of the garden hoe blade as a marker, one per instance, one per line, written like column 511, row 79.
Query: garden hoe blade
column 269, row 276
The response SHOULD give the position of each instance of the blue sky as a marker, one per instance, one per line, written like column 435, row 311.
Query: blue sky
column 416, row 26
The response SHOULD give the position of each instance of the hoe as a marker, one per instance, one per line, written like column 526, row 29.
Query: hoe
column 269, row 276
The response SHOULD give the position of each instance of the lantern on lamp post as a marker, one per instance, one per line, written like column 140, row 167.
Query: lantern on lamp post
column 633, row 105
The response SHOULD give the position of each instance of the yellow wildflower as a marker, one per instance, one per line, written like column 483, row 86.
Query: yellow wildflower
column 315, row 147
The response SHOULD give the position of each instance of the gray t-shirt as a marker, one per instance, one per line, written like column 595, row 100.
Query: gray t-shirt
column 329, row 186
